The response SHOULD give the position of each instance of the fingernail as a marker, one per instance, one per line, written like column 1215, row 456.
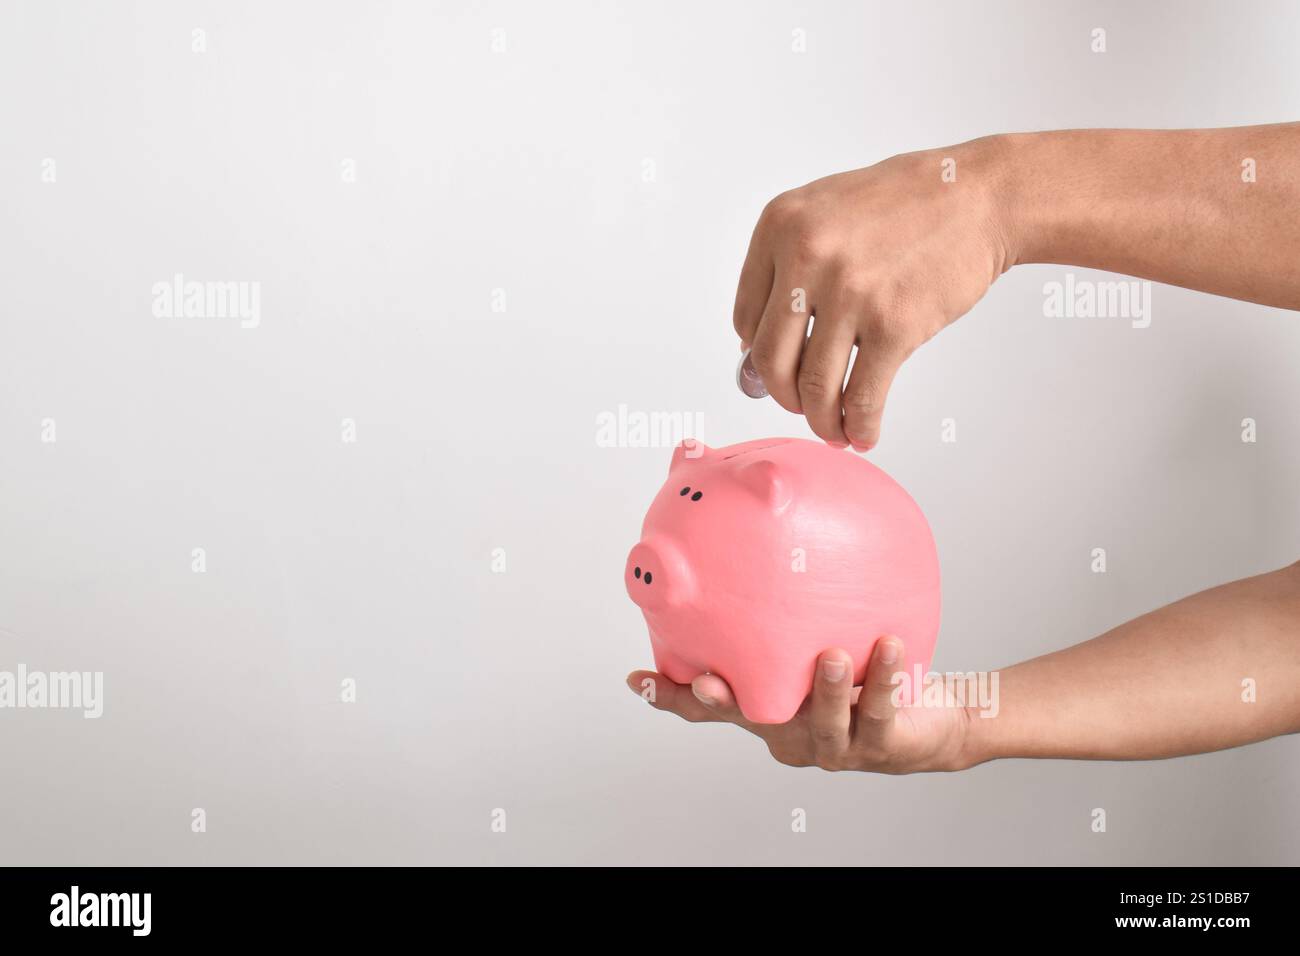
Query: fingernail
column 888, row 652
column 862, row 448
column 838, row 444
column 702, row 698
column 834, row 670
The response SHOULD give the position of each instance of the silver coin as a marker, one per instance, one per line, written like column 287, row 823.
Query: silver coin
column 747, row 378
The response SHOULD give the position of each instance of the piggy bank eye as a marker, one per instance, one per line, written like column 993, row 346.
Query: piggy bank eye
column 685, row 491
column 697, row 496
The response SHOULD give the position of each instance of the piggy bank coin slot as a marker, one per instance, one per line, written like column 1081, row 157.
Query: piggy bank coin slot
column 751, row 451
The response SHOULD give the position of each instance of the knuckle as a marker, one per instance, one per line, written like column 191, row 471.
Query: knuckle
column 827, row 735
column 815, row 384
column 789, row 222
column 853, row 291
column 889, row 296
column 886, row 328
column 782, row 212
column 811, row 246
column 884, row 679
column 788, row 757
column 863, row 400
column 875, row 716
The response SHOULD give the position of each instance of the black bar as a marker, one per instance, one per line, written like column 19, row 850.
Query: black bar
column 366, row 905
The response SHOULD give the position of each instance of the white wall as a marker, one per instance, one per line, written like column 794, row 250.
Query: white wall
column 523, row 171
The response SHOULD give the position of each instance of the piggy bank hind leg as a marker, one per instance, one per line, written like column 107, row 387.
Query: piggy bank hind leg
column 771, row 697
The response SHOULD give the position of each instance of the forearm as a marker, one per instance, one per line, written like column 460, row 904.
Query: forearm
column 1166, row 205
column 1218, row 669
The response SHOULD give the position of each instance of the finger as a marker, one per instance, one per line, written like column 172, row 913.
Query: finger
column 822, row 368
column 663, row 694
column 779, row 341
column 875, row 710
column 715, row 695
column 753, row 290
column 864, row 395
column 829, row 713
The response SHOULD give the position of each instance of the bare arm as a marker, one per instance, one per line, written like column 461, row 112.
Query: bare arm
column 1216, row 210
column 1218, row 669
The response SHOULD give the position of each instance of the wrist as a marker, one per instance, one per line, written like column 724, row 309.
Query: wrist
column 1018, row 204
column 982, row 738
column 994, row 164
column 974, row 744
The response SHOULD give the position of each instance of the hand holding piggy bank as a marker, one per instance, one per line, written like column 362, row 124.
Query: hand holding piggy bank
column 757, row 557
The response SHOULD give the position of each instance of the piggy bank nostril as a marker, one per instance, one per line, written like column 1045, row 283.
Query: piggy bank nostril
column 647, row 577
column 637, row 572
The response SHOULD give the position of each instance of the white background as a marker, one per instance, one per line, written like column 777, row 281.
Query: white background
column 523, row 171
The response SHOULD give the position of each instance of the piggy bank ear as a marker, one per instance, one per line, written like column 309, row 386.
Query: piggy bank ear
column 689, row 450
column 764, row 479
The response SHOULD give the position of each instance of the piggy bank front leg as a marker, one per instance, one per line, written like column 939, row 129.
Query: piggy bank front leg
column 769, row 695
column 670, row 665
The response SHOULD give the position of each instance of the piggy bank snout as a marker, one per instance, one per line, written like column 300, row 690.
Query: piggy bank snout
column 657, row 575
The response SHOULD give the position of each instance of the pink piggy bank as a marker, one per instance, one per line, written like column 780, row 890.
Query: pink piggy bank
column 757, row 557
